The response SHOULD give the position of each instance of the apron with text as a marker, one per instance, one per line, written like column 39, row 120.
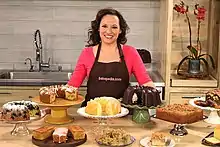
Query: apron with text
column 107, row 79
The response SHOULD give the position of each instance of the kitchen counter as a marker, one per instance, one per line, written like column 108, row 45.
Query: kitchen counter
column 196, row 131
column 155, row 76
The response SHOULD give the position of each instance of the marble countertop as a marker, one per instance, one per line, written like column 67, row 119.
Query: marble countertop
column 154, row 74
column 196, row 131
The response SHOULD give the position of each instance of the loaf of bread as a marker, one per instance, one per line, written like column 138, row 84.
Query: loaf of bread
column 179, row 113
column 43, row 132
column 77, row 132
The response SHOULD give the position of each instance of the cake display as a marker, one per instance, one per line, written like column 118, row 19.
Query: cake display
column 50, row 93
column 77, row 132
column 103, row 106
column 20, row 110
column 141, row 96
column 60, row 135
column 71, row 135
column 212, row 99
column 179, row 113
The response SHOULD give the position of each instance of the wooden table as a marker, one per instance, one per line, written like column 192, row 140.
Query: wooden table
column 196, row 131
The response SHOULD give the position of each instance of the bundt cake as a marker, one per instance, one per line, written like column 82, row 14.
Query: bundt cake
column 103, row 106
column 141, row 96
column 20, row 110
column 50, row 93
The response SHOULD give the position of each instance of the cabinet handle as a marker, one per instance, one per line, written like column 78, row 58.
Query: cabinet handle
column 5, row 93
column 190, row 97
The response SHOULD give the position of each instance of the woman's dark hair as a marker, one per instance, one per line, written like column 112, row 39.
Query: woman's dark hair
column 93, row 33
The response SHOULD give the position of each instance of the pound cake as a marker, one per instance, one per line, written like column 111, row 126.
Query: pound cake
column 20, row 110
column 60, row 135
column 49, row 94
column 103, row 106
column 77, row 132
column 43, row 132
column 179, row 113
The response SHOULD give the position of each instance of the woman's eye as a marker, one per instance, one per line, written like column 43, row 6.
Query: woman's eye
column 114, row 27
column 104, row 26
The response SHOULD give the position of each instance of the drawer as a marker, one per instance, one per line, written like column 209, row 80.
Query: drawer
column 181, row 98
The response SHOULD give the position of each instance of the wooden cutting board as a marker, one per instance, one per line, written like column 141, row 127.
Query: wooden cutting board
column 49, row 142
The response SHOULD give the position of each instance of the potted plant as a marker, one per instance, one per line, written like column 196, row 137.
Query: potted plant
column 195, row 57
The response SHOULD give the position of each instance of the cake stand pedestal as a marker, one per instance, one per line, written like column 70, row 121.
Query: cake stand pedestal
column 140, row 114
column 20, row 127
column 213, row 117
column 179, row 130
column 59, row 110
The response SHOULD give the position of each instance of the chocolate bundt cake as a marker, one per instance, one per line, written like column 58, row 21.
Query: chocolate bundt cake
column 141, row 96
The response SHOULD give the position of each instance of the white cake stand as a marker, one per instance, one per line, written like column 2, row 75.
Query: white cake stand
column 20, row 128
column 102, row 120
column 213, row 117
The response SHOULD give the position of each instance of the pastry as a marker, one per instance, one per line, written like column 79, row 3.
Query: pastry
column 179, row 113
column 77, row 132
column 158, row 139
column 43, row 132
column 60, row 135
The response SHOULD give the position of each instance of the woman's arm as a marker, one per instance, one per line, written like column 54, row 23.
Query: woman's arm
column 79, row 72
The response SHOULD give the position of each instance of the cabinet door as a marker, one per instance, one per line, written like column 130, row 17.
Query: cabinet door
column 180, row 98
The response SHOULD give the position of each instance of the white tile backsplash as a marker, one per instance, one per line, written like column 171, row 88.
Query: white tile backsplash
column 64, row 25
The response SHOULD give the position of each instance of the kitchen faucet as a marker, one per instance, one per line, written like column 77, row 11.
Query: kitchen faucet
column 31, row 65
column 39, row 48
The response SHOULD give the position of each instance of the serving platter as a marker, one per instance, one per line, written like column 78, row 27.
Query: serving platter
column 146, row 142
column 70, row 142
column 59, row 108
column 132, row 141
column 81, row 111
column 213, row 117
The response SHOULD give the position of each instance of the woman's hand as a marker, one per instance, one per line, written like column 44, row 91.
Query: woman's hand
column 150, row 84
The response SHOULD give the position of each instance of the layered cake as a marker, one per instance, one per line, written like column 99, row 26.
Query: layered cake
column 20, row 110
column 103, row 106
column 50, row 93
column 141, row 96
column 60, row 135
column 77, row 132
column 179, row 113
column 158, row 139
column 43, row 132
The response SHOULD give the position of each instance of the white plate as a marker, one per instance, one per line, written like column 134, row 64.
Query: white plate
column 81, row 111
column 192, row 102
column 147, row 143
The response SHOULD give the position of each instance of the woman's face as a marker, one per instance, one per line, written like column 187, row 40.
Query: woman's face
column 109, row 29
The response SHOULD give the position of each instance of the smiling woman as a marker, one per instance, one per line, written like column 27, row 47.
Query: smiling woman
column 106, row 61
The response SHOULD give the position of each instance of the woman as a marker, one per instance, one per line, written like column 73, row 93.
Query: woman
column 107, row 62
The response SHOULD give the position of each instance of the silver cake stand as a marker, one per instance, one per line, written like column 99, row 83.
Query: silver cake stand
column 20, row 127
column 213, row 117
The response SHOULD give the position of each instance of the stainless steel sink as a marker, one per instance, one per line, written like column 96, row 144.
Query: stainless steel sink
column 58, row 76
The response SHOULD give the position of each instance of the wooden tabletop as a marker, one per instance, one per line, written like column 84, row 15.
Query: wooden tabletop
column 196, row 131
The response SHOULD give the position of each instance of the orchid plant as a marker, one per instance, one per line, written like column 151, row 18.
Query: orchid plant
column 195, row 51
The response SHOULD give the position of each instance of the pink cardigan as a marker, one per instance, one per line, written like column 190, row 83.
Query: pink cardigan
column 86, row 59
